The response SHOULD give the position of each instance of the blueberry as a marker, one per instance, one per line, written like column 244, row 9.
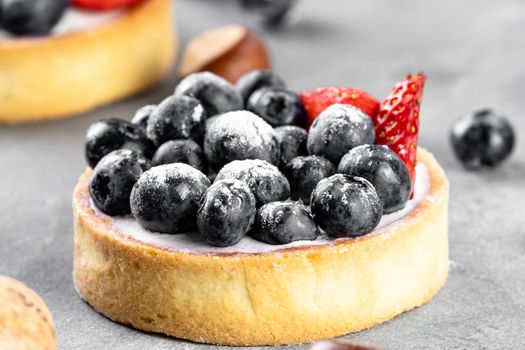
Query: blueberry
column 226, row 212
column 142, row 115
column 257, row 79
column 384, row 170
column 240, row 135
column 284, row 222
column 277, row 106
column 166, row 198
column 292, row 142
column 482, row 139
column 109, row 135
column 180, row 151
column 177, row 117
column 216, row 94
column 338, row 129
column 346, row 206
column 31, row 17
column 267, row 183
column 270, row 12
column 113, row 178
column 304, row 173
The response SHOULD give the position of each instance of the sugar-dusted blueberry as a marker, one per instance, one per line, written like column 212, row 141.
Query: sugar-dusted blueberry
column 346, row 206
column 482, row 139
column 109, row 135
column 383, row 168
column 292, row 142
column 31, row 17
column 284, row 222
column 177, row 117
column 113, row 178
column 142, row 115
column 304, row 173
column 180, row 151
column 166, row 198
column 257, row 79
column 338, row 129
column 267, row 183
column 278, row 106
column 240, row 135
column 216, row 94
column 226, row 212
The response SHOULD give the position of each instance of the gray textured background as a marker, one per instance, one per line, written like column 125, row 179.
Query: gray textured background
column 474, row 54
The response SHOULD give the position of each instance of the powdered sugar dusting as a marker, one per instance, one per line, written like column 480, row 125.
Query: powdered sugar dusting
column 193, row 243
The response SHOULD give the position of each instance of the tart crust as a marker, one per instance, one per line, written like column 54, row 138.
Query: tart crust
column 294, row 295
column 58, row 76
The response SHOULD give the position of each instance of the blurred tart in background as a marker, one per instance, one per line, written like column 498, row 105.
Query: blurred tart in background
column 58, row 59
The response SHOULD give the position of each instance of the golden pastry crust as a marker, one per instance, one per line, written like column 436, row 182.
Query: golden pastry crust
column 294, row 295
column 25, row 321
column 58, row 76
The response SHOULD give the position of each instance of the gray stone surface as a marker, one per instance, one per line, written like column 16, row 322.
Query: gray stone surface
column 474, row 55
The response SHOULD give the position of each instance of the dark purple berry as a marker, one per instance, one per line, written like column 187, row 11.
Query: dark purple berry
column 304, row 173
column 257, row 79
column 482, row 139
column 108, row 135
column 31, row 17
column 226, row 212
column 277, row 106
column 346, row 206
column 180, row 151
column 113, row 178
column 284, row 222
column 177, row 117
column 142, row 115
column 166, row 198
column 216, row 94
column 292, row 142
column 338, row 129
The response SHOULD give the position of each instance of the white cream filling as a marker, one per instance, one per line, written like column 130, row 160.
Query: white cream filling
column 130, row 227
column 74, row 20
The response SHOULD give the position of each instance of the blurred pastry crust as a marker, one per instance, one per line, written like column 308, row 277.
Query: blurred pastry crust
column 292, row 295
column 63, row 75
column 25, row 321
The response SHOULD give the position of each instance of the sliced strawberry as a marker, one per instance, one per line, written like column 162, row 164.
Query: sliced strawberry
column 397, row 122
column 319, row 99
column 103, row 5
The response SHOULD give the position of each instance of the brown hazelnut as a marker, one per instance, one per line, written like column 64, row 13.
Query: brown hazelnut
column 229, row 51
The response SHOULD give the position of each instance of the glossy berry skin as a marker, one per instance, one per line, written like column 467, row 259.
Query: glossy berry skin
column 166, row 198
column 226, row 212
column 180, row 151
column 319, row 99
column 257, row 79
column 240, row 135
column 284, row 222
column 266, row 182
column 397, row 120
column 277, row 106
column 482, row 139
column 104, row 5
column 338, row 129
column 31, row 17
column 113, row 178
column 292, row 142
column 215, row 93
column 109, row 135
column 346, row 206
column 384, row 170
column 270, row 12
column 303, row 174
column 177, row 117
column 142, row 115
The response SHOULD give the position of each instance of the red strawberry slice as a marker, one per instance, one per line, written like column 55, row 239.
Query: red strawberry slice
column 397, row 122
column 103, row 5
column 319, row 99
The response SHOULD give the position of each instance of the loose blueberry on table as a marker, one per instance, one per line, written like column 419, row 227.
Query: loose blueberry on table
column 275, row 182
